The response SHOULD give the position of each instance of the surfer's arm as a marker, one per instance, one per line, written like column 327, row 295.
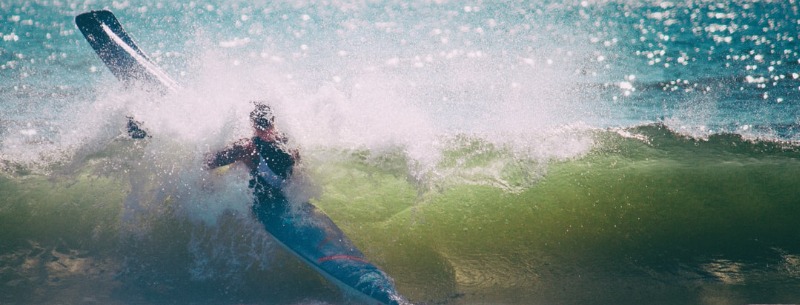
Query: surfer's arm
column 295, row 155
column 239, row 151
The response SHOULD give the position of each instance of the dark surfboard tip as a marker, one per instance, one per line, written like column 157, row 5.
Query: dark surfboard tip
column 120, row 53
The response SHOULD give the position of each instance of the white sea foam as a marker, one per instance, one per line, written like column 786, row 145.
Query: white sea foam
column 369, row 85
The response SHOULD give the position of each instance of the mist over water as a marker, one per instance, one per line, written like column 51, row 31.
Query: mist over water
column 339, row 75
column 479, row 152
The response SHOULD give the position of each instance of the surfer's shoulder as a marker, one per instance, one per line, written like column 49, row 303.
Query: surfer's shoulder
column 244, row 144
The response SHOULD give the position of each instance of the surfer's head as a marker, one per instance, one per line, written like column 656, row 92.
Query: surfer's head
column 262, row 117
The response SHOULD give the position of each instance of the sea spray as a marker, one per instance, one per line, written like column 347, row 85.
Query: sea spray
column 515, row 152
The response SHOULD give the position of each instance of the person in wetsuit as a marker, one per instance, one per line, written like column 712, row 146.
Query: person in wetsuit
column 266, row 154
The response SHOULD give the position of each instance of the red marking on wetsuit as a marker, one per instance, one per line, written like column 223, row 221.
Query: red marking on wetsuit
column 341, row 256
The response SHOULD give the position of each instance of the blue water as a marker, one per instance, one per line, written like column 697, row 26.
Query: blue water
column 516, row 152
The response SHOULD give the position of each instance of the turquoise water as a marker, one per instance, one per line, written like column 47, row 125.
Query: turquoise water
column 510, row 152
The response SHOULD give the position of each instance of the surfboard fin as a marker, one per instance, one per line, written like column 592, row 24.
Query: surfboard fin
column 135, row 130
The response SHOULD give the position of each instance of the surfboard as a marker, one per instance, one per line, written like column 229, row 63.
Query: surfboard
column 313, row 237
column 124, row 58
column 301, row 229
column 120, row 53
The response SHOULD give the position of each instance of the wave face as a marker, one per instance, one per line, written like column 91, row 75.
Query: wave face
column 647, row 215
column 514, row 152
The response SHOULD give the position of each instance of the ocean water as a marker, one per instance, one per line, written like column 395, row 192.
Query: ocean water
column 479, row 152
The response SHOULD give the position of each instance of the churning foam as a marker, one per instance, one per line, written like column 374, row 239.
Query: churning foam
column 360, row 97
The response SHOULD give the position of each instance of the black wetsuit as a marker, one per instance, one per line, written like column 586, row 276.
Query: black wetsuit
column 271, row 164
column 268, row 196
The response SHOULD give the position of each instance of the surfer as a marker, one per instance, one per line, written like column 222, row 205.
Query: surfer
column 299, row 227
column 266, row 154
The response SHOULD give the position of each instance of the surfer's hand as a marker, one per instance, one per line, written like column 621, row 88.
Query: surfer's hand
column 208, row 161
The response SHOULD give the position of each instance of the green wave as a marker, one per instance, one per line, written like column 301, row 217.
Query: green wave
column 671, row 219
column 647, row 216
